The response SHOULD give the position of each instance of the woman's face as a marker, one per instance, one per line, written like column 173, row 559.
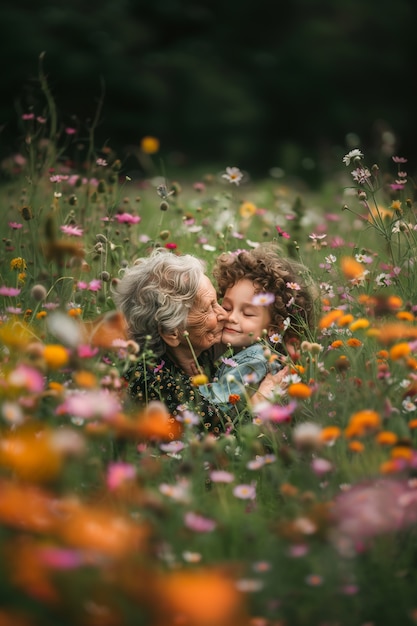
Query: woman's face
column 206, row 319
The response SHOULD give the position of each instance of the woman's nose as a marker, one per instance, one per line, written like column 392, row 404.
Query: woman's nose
column 221, row 313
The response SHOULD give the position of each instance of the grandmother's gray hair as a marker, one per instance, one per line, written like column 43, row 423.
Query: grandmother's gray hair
column 156, row 295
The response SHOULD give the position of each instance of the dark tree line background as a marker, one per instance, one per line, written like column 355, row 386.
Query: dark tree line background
column 254, row 84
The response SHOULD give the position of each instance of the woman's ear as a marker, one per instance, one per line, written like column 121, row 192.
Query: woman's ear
column 172, row 339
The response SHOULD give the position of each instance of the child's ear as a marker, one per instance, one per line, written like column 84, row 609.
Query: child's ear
column 172, row 339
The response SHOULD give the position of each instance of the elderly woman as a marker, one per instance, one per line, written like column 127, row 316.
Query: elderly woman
column 172, row 312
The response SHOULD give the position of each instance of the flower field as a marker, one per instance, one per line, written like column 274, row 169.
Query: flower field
column 303, row 511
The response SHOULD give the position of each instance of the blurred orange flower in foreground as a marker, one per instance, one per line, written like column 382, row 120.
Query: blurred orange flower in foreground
column 351, row 268
column 101, row 529
column 200, row 598
column 30, row 453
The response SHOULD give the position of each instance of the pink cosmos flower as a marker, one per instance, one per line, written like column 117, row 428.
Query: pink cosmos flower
column 263, row 299
column 26, row 377
column 9, row 291
column 198, row 523
column 118, row 474
column 15, row 225
column 61, row 558
column 94, row 285
column 127, row 218
column 277, row 413
column 90, row 404
column 282, row 233
column 85, row 351
column 321, row 466
column 371, row 509
column 172, row 447
column 245, row 492
column 72, row 231
column 221, row 476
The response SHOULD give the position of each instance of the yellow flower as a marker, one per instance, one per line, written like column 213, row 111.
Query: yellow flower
column 247, row 209
column 41, row 314
column 18, row 264
column 55, row 355
column 149, row 145
column 200, row 379
column 76, row 312
column 358, row 324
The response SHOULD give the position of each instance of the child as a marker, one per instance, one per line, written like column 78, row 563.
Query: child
column 270, row 303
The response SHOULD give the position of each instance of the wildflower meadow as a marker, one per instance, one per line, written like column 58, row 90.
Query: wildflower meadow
column 300, row 512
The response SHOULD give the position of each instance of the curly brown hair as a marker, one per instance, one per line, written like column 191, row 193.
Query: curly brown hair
column 271, row 272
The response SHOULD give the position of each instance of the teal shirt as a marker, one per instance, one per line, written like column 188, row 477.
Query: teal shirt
column 239, row 375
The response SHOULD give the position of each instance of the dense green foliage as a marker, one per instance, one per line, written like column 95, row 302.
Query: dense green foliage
column 257, row 84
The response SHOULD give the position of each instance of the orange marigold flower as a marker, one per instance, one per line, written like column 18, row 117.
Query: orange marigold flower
column 389, row 467
column 330, row 433
column 399, row 351
column 412, row 424
column 76, row 312
column 351, row 268
column 58, row 387
column 356, row 446
column 287, row 489
column 411, row 363
column 199, row 379
column 30, row 454
column 330, row 317
column 394, row 302
column 149, row 145
column 189, row 596
column 352, row 342
column 41, row 314
column 382, row 354
column 396, row 331
column 234, row 398
column 299, row 390
column 359, row 324
column 86, row 379
column 402, row 452
column 55, row 355
column 338, row 343
column 406, row 316
column 386, row 438
column 362, row 422
column 298, row 369
column 345, row 320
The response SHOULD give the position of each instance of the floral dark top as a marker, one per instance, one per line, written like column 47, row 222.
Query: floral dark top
column 166, row 382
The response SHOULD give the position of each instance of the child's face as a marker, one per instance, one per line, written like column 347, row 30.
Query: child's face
column 245, row 321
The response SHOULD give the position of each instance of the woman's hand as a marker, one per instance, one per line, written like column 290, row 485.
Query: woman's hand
column 269, row 384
